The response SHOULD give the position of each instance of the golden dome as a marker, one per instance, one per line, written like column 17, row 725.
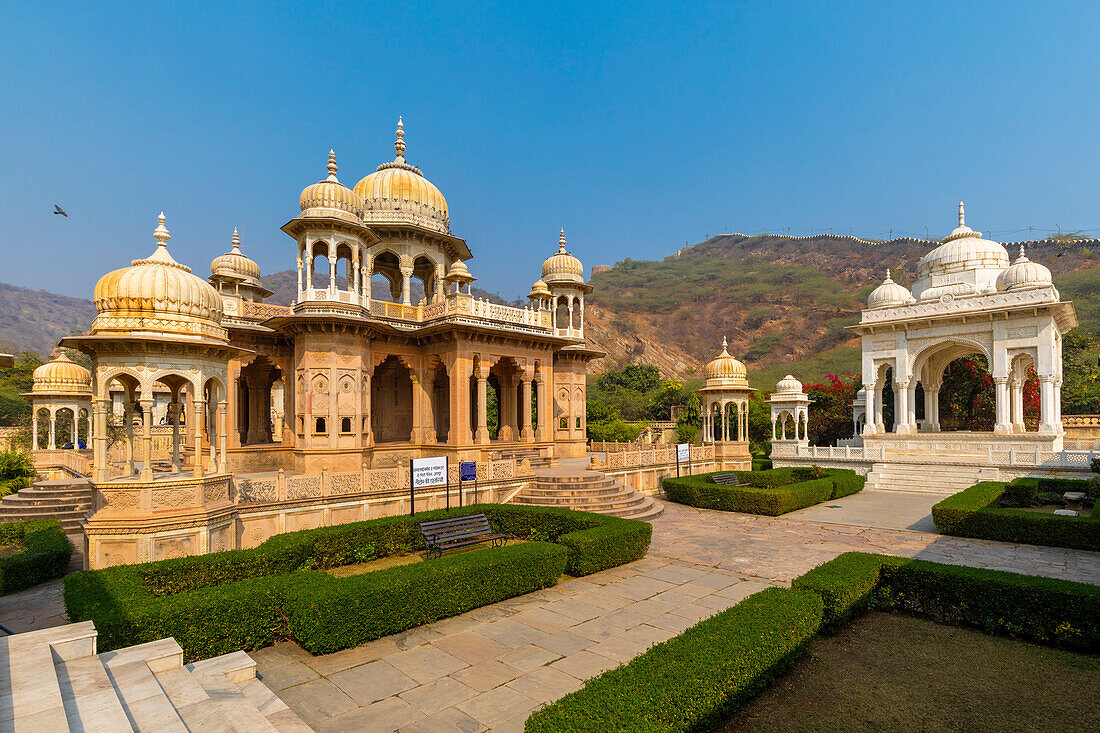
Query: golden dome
column 62, row 375
column 562, row 267
column 398, row 193
column 234, row 264
column 459, row 273
column 725, row 371
column 157, row 295
column 330, row 198
column 539, row 291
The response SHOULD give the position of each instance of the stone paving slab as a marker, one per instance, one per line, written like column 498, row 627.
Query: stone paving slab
column 488, row 669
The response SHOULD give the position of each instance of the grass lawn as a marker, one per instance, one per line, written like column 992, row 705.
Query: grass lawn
column 893, row 672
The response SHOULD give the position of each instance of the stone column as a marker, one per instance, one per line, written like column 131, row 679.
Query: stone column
column 331, row 274
column 198, row 421
column 1004, row 419
column 869, row 409
column 53, row 431
column 880, row 425
column 1016, row 390
column 299, row 263
column 309, row 276
column 99, row 439
column 221, row 426
column 437, row 295
column 526, row 434
column 128, row 416
column 546, row 418
column 481, row 435
column 725, row 423
column 1058, row 407
column 34, row 430
column 1046, row 407
column 147, row 439
column 174, row 416
column 406, row 285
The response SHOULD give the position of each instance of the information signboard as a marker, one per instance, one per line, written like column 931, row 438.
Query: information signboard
column 426, row 472
column 467, row 471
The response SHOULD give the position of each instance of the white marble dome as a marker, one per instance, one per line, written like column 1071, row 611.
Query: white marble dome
column 964, row 264
column 1023, row 273
column 788, row 385
column 889, row 294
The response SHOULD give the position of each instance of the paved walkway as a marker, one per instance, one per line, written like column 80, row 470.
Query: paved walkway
column 488, row 669
column 882, row 509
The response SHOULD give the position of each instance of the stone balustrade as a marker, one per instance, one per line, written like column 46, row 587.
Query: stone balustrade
column 629, row 455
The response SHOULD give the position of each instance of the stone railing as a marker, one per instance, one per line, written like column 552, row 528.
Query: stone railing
column 284, row 487
column 461, row 305
column 263, row 310
column 78, row 461
column 1005, row 456
column 632, row 455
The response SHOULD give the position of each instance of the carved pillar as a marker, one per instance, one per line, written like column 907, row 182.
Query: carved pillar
column 870, row 406
column 1046, row 407
column 545, row 418
column 174, row 416
column 481, row 435
column 99, row 439
column 331, row 270
column 199, row 420
column 147, row 440
column 526, row 434
column 53, row 431
column 437, row 295
column 221, row 426
column 458, row 373
column 1004, row 419
column 406, row 285
column 128, row 417
column 34, row 430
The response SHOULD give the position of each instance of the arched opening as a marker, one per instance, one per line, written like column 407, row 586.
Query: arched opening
column 345, row 279
column 441, row 403
column 561, row 313
column 967, row 396
column 319, row 266
column 386, row 279
column 424, row 277
column 577, row 314
column 319, row 426
column 504, row 381
column 391, row 402
column 255, row 406
column 345, row 425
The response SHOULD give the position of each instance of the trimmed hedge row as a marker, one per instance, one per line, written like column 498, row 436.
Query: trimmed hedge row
column 772, row 493
column 247, row 599
column 1044, row 610
column 695, row 680
column 974, row 512
column 45, row 554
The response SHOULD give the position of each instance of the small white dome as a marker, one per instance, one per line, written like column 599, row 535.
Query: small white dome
column 1023, row 273
column 888, row 295
column 788, row 385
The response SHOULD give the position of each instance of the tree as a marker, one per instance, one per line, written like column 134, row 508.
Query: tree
column 967, row 396
column 15, row 410
column 831, row 409
column 1081, row 373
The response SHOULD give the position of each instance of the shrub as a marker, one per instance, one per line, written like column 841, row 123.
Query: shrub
column 251, row 598
column 974, row 512
column 695, row 680
column 772, row 494
column 761, row 464
column 45, row 554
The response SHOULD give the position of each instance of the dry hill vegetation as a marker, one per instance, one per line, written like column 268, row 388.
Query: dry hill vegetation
column 782, row 303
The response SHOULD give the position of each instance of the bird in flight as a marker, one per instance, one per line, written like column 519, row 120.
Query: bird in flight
column 58, row 210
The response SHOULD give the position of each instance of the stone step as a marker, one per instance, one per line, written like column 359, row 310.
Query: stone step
column 30, row 694
column 620, row 493
column 627, row 499
column 91, row 703
column 573, row 489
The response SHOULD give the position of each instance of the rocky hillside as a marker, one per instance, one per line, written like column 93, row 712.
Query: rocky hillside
column 782, row 302
column 34, row 320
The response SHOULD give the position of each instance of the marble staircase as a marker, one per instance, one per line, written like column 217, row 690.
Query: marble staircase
column 533, row 456
column 588, row 491
column 53, row 680
column 928, row 477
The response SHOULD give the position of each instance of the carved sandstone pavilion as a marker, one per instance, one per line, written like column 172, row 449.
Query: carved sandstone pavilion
column 285, row 418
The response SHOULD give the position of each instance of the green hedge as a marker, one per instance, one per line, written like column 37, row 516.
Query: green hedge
column 772, row 493
column 251, row 598
column 1044, row 610
column 45, row 555
column 761, row 464
column 974, row 513
column 695, row 680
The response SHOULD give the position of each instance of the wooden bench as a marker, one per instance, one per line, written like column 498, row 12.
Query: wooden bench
column 447, row 534
column 726, row 479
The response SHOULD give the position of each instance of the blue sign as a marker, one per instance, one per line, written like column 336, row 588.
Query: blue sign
column 467, row 471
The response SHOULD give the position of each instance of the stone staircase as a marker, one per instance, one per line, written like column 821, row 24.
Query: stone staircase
column 588, row 491
column 536, row 459
column 68, row 501
column 923, row 476
column 53, row 680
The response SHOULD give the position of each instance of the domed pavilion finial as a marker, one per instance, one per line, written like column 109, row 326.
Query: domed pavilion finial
column 962, row 215
column 332, row 167
column 236, row 241
column 161, row 232
column 888, row 280
column 561, row 240
column 1022, row 257
column 399, row 144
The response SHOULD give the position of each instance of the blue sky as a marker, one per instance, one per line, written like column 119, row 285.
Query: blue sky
column 637, row 126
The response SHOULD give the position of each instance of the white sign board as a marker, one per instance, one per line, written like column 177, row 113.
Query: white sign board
column 429, row 472
column 683, row 452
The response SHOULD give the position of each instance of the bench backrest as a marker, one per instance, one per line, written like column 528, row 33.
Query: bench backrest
column 455, row 528
column 724, row 478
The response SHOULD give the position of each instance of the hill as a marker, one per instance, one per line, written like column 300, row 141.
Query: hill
column 34, row 320
column 782, row 302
